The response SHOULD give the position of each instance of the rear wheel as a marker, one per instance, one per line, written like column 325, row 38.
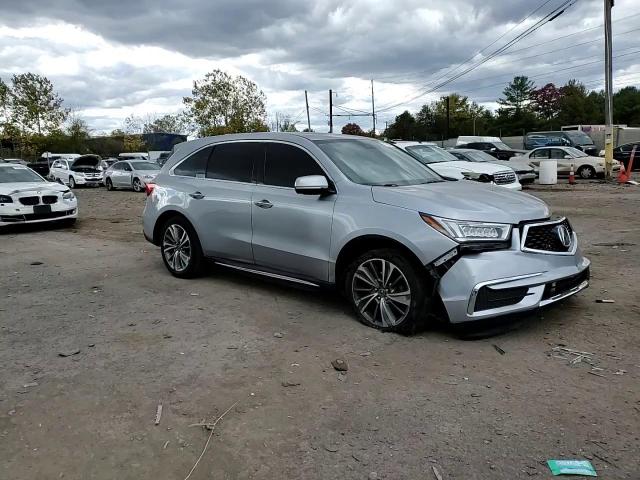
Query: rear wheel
column 387, row 291
column 72, row 182
column 181, row 251
column 137, row 185
column 586, row 172
column 109, row 184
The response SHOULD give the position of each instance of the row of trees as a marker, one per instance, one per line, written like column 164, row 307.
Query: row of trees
column 523, row 108
column 33, row 117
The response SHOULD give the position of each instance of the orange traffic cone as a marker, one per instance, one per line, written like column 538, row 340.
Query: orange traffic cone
column 622, row 174
column 572, row 176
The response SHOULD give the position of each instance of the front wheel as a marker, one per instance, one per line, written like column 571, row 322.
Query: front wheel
column 137, row 185
column 108, row 184
column 72, row 182
column 586, row 172
column 180, row 247
column 387, row 291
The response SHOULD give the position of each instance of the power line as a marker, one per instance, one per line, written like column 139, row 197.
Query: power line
column 547, row 18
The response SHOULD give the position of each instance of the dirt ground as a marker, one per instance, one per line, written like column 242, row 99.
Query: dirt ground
column 197, row 347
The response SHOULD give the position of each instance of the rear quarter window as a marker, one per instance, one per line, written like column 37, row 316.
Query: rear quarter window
column 195, row 165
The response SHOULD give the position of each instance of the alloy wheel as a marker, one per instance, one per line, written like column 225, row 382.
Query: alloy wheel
column 381, row 292
column 176, row 247
column 137, row 186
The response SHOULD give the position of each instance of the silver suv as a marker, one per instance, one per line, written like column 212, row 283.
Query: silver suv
column 366, row 217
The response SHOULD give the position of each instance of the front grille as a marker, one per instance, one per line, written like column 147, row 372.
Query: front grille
column 504, row 178
column 30, row 200
column 564, row 284
column 34, row 216
column 489, row 298
column 545, row 237
column 49, row 199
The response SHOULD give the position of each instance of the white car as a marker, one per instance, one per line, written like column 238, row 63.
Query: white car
column 447, row 165
column 133, row 174
column 26, row 197
column 84, row 170
column 584, row 166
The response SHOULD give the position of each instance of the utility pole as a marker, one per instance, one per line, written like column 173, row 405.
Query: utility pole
column 608, row 91
column 373, row 109
column 448, row 115
column 306, row 101
column 277, row 123
column 330, row 111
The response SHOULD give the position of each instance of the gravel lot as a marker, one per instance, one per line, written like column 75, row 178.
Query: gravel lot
column 405, row 405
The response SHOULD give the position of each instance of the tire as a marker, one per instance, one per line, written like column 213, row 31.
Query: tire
column 72, row 183
column 380, row 305
column 586, row 172
column 137, row 185
column 109, row 185
column 172, row 233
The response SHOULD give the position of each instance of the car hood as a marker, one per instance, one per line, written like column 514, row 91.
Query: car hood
column 464, row 200
column 12, row 188
column 463, row 166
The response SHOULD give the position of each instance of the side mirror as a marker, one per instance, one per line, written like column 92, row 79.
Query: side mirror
column 312, row 185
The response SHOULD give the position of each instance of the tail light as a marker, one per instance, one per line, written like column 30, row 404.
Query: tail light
column 148, row 188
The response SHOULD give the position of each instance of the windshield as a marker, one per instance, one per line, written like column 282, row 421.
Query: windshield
column 579, row 138
column 18, row 173
column 575, row 153
column 475, row 156
column 430, row 154
column 144, row 166
column 376, row 163
column 501, row 146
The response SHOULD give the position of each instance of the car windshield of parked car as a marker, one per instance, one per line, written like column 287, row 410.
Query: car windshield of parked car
column 579, row 138
column 477, row 156
column 575, row 153
column 501, row 146
column 430, row 154
column 17, row 173
column 376, row 163
column 144, row 165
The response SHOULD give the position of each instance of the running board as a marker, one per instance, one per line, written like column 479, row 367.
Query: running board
column 268, row 274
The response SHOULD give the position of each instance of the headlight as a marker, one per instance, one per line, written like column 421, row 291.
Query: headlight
column 463, row 231
column 6, row 199
column 68, row 195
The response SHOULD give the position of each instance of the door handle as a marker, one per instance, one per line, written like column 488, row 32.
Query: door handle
column 197, row 195
column 264, row 204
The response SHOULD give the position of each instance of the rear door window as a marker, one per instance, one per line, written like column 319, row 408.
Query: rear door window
column 235, row 161
column 284, row 163
column 557, row 154
column 195, row 165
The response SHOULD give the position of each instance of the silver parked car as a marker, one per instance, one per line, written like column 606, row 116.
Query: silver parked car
column 525, row 171
column 133, row 174
column 366, row 217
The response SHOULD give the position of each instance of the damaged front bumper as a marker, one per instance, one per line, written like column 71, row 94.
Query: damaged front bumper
column 501, row 282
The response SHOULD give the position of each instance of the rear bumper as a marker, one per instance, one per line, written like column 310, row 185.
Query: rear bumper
column 492, row 284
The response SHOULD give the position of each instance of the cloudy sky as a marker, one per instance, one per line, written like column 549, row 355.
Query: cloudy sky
column 110, row 59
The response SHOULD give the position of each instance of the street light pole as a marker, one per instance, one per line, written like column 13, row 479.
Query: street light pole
column 608, row 90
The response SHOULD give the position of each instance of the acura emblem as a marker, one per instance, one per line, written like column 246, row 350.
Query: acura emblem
column 563, row 235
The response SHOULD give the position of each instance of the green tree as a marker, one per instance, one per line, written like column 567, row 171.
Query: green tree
column 35, row 106
column 626, row 106
column 132, row 139
column 425, row 123
column 575, row 106
column 516, row 95
column 221, row 104
column 167, row 124
column 462, row 113
column 78, row 133
column 4, row 103
column 403, row 128
column 353, row 129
